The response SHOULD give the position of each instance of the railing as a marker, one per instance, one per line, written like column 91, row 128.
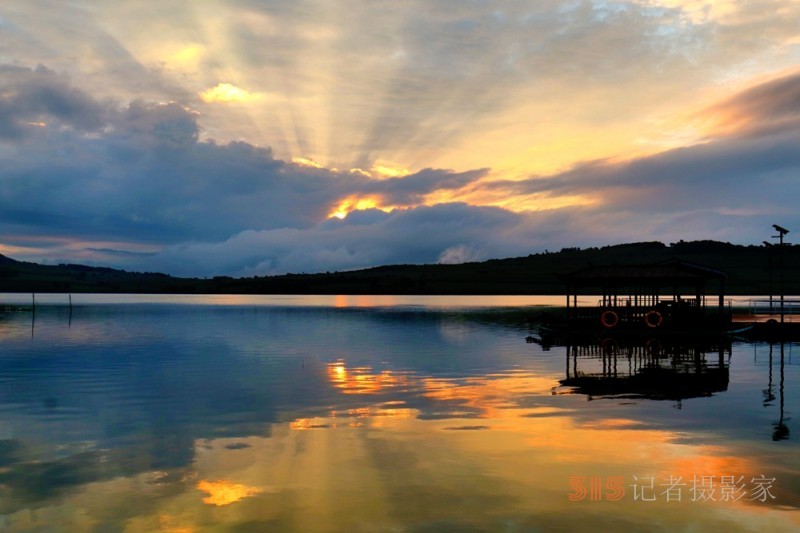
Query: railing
column 768, row 309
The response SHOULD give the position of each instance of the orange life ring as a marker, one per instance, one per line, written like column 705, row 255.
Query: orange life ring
column 609, row 319
column 653, row 318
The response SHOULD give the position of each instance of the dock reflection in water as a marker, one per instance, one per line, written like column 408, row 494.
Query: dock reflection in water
column 656, row 368
column 201, row 418
column 777, row 350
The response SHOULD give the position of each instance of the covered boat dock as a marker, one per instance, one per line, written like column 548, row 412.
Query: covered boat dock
column 673, row 295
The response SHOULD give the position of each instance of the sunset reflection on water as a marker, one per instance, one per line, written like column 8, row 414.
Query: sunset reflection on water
column 362, row 380
column 240, row 420
column 223, row 492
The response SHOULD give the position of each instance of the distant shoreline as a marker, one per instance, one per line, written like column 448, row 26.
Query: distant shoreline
column 751, row 270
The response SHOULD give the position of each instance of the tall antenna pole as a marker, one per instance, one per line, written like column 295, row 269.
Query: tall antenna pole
column 781, row 232
column 769, row 271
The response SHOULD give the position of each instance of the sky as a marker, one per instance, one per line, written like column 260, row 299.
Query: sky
column 260, row 137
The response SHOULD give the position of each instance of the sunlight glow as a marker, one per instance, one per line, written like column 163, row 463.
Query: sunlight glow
column 377, row 416
column 362, row 380
column 18, row 251
column 382, row 170
column 388, row 171
column 354, row 203
column 344, row 108
column 517, row 203
column 171, row 524
column 223, row 492
column 226, row 93
column 303, row 162
column 186, row 57
column 487, row 398
column 303, row 424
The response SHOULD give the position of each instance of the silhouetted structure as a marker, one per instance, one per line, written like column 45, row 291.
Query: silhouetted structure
column 654, row 369
column 673, row 296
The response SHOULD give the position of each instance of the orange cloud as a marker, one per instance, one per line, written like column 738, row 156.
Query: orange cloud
column 770, row 106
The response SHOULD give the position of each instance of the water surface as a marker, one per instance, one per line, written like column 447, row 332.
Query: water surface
column 231, row 413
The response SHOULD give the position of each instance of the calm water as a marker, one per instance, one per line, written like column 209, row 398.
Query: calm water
column 183, row 414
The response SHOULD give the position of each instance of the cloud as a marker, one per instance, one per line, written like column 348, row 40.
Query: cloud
column 702, row 175
column 443, row 233
column 454, row 69
column 139, row 172
column 458, row 254
column 750, row 165
column 771, row 107
column 411, row 189
column 30, row 98
column 78, row 39
column 415, row 235
column 136, row 187
column 226, row 93
column 110, row 147
column 419, row 82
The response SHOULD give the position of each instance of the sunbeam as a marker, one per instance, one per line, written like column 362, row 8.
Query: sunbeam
column 285, row 126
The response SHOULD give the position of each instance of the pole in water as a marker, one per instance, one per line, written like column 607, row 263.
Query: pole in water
column 33, row 313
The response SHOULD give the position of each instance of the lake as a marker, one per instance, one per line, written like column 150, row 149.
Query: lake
column 144, row 413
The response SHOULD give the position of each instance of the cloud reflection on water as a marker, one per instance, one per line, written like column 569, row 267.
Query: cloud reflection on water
column 199, row 418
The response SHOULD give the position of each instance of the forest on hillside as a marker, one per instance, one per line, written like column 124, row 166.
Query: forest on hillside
column 750, row 269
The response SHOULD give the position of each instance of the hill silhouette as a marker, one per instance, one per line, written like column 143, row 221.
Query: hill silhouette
column 751, row 270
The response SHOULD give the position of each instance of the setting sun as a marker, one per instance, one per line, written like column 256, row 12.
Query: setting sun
column 351, row 204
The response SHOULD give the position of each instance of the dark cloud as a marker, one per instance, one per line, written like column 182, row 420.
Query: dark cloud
column 444, row 233
column 122, row 253
column 139, row 173
column 30, row 98
column 433, row 234
column 128, row 180
column 732, row 169
column 771, row 107
column 361, row 217
column 408, row 190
